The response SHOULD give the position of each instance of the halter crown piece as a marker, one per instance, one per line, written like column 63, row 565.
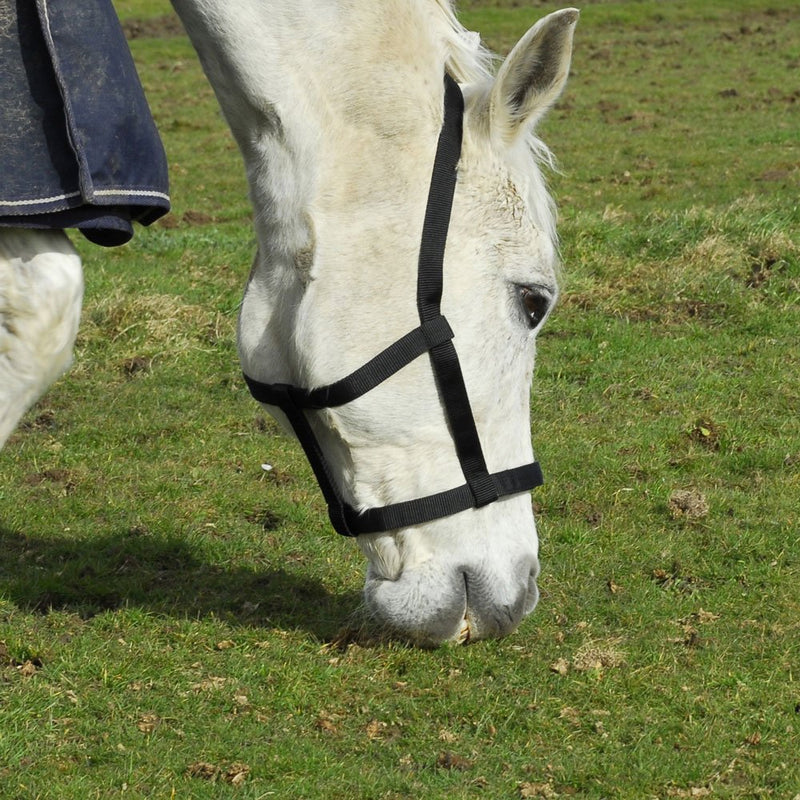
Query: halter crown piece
column 433, row 336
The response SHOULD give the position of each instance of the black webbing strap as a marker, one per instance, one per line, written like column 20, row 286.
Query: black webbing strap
column 442, row 504
column 349, row 521
column 430, row 281
column 433, row 336
column 405, row 350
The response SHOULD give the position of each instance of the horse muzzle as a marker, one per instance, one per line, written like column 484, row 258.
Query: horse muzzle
column 428, row 606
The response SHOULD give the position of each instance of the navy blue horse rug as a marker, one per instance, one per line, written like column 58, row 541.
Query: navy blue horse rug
column 78, row 145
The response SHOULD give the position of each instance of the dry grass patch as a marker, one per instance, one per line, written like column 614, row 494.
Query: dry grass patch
column 159, row 323
column 713, row 253
column 598, row 655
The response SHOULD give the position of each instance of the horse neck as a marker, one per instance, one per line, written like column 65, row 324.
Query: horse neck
column 323, row 98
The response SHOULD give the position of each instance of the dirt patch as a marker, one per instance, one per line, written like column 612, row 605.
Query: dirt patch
column 58, row 476
column 235, row 774
column 592, row 656
column 27, row 665
column 191, row 218
column 762, row 269
column 453, row 761
column 165, row 27
column 688, row 504
column 598, row 656
column 137, row 365
column 45, row 421
column 677, row 580
column 266, row 520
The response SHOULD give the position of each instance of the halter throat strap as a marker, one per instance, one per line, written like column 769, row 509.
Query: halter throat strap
column 433, row 336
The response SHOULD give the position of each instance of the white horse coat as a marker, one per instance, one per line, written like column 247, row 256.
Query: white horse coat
column 336, row 107
column 41, row 292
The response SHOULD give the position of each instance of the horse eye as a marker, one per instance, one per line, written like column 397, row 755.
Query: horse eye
column 536, row 302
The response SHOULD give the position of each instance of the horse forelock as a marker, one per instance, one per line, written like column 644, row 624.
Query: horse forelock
column 467, row 59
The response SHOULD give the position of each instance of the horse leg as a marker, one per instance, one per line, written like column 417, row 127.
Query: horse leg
column 41, row 292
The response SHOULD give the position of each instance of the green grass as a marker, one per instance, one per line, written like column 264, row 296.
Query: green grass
column 169, row 609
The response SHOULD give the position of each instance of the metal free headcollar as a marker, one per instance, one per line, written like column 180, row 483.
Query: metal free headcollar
column 433, row 336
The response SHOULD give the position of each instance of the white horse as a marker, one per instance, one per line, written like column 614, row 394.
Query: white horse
column 41, row 291
column 336, row 106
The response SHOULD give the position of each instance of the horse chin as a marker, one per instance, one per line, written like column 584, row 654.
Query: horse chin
column 433, row 603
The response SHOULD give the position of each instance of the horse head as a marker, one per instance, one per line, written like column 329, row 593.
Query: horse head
column 337, row 109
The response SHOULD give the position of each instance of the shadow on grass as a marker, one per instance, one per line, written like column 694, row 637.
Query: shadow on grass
column 162, row 575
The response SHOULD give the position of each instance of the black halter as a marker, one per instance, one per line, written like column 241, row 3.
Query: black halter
column 433, row 336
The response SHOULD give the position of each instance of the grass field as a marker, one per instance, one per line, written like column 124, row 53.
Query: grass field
column 169, row 610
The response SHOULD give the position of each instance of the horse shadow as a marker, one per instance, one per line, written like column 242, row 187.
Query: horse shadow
column 163, row 575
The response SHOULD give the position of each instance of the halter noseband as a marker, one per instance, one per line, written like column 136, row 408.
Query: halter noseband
column 433, row 336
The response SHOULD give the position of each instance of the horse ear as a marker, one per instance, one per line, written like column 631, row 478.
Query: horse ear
column 532, row 77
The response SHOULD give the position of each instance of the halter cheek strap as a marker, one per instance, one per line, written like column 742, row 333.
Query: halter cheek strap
column 433, row 336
